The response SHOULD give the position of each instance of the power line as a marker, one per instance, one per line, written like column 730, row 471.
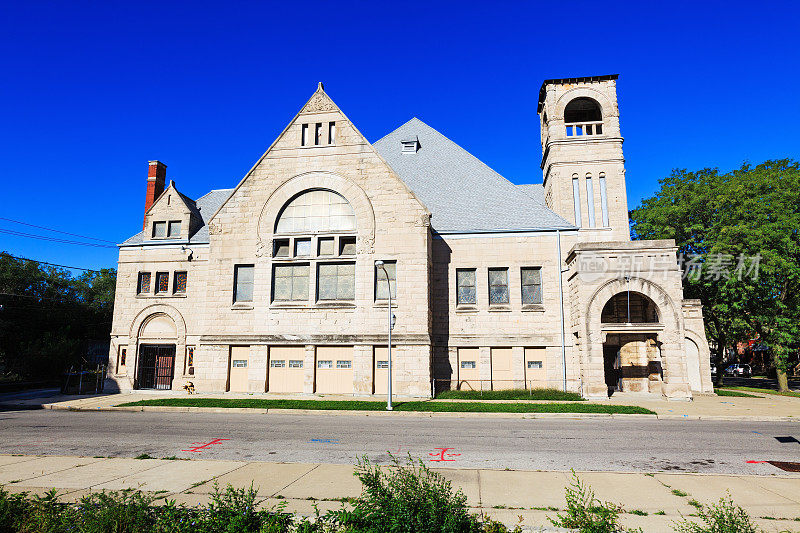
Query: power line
column 53, row 239
column 55, row 230
column 46, row 263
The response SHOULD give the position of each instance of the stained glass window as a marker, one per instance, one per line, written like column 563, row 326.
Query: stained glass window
column 316, row 211
column 179, row 284
column 162, row 282
column 531, row 285
column 498, row 286
column 465, row 278
column 144, row 283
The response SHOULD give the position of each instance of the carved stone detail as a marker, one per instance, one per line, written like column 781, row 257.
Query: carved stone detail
column 215, row 228
column 365, row 245
column 318, row 103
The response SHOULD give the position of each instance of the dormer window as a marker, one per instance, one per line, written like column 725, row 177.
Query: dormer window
column 410, row 146
column 167, row 230
column 583, row 116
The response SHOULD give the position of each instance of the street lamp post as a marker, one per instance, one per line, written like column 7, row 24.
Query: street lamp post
column 380, row 265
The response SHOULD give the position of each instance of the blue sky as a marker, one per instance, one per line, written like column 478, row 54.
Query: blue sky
column 91, row 91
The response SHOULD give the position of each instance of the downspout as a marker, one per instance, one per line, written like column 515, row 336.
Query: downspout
column 561, row 308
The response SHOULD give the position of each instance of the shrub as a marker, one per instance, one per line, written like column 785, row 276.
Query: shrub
column 722, row 517
column 12, row 507
column 585, row 512
column 408, row 499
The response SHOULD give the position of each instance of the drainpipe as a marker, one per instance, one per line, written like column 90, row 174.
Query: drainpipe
column 561, row 308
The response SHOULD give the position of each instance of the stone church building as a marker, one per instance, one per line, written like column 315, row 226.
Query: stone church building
column 272, row 286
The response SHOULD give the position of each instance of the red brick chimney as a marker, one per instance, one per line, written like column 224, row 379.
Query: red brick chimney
column 156, row 177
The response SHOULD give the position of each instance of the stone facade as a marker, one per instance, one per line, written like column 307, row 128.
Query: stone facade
column 252, row 289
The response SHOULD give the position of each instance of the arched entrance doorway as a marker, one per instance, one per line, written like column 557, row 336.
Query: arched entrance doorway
column 631, row 351
column 156, row 361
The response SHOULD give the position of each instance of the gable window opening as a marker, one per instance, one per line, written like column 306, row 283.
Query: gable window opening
column 498, row 286
column 465, row 281
column 304, row 135
column 331, row 133
column 243, row 283
column 317, row 133
column 167, row 230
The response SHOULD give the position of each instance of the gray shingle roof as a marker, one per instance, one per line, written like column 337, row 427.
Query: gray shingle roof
column 206, row 206
column 462, row 193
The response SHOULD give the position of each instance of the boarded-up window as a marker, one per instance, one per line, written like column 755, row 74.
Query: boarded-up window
column 498, row 286
column 531, row 285
column 243, row 283
column 336, row 281
column 143, row 286
column 381, row 287
column 290, row 283
column 465, row 279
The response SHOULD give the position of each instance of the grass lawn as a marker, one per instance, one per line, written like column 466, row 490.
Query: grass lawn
column 512, row 394
column 737, row 394
column 424, row 406
column 765, row 391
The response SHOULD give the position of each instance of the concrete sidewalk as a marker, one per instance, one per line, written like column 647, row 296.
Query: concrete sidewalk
column 766, row 407
column 774, row 502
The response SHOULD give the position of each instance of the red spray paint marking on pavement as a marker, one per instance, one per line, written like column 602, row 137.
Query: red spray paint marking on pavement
column 442, row 453
column 756, row 462
column 204, row 446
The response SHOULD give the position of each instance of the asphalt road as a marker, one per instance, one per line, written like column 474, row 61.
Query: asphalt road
column 535, row 444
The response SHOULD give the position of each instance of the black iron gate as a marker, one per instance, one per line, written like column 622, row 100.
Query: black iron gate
column 156, row 366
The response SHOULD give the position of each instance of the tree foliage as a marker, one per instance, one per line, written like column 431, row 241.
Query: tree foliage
column 751, row 215
column 49, row 317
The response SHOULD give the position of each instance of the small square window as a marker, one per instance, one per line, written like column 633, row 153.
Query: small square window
column 143, row 285
column 162, row 282
column 534, row 364
column 277, row 363
column 324, row 364
column 174, row 229
column 159, row 230
column 344, row 364
column 280, row 248
column 302, row 247
column 179, row 283
column 326, row 246
column 295, row 363
column 347, row 246
column 467, row 364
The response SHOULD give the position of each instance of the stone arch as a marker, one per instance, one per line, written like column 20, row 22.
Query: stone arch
column 153, row 311
column 158, row 326
column 669, row 332
column 355, row 195
column 607, row 109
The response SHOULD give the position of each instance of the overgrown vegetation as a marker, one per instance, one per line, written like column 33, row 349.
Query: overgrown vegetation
column 585, row 512
column 48, row 317
column 511, row 394
column 722, row 517
column 426, row 406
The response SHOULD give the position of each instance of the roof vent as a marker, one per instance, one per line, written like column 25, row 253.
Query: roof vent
column 410, row 146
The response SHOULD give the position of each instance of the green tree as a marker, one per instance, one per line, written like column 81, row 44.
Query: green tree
column 741, row 231
column 48, row 317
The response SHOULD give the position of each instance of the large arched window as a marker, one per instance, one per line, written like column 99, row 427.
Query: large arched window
column 629, row 308
column 316, row 211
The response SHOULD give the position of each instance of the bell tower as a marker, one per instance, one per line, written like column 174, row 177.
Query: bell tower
column 582, row 162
